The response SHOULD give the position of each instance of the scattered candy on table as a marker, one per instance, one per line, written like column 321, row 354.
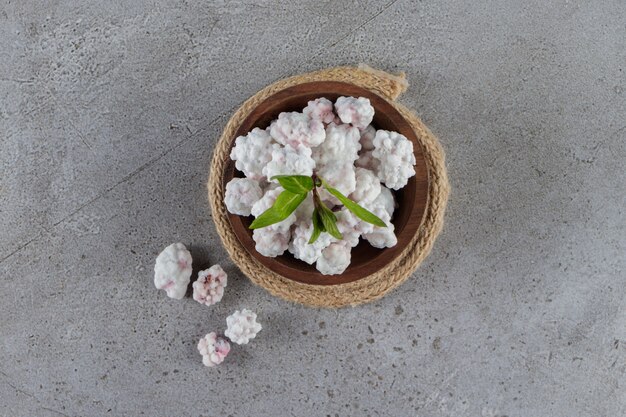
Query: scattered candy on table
column 209, row 287
column 213, row 349
column 242, row 326
column 172, row 270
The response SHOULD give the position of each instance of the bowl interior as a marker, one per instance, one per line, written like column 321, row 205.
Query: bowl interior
column 411, row 200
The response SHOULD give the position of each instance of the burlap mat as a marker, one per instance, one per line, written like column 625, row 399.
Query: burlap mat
column 379, row 283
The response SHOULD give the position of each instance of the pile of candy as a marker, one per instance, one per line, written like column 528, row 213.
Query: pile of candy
column 338, row 143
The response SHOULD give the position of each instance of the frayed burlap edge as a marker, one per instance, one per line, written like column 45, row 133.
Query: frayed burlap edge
column 373, row 286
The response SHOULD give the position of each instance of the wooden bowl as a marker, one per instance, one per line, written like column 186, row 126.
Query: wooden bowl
column 411, row 199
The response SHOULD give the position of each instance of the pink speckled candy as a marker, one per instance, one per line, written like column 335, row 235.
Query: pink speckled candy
column 209, row 287
column 320, row 109
column 213, row 349
column 295, row 129
column 356, row 111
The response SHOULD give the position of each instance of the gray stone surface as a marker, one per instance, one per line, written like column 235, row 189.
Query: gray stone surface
column 108, row 115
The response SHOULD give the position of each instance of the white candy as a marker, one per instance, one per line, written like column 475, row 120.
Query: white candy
column 341, row 144
column 300, row 247
column 341, row 176
column 335, row 159
column 386, row 200
column 209, row 287
column 367, row 138
column 297, row 129
column 270, row 242
column 367, row 186
column 395, row 153
column 242, row 326
column 252, row 152
column 320, row 109
column 241, row 194
column 290, row 161
column 382, row 237
column 273, row 240
column 334, row 260
column 356, row 111
column 266, row 201
column 351, row 226
column 172, row 270
column 213, row 349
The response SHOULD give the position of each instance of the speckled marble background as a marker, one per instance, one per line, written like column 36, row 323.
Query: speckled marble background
column 108, row 115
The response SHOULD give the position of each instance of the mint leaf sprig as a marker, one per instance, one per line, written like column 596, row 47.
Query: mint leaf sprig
column 296, row 189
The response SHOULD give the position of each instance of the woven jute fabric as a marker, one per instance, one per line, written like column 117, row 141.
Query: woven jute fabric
column 368, row 288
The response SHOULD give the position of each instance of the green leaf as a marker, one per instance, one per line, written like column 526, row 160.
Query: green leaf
column 329, row 220
column 267, row 218
column 298, row 184
column 285, row 204
column 359, row 211
column 318, row 227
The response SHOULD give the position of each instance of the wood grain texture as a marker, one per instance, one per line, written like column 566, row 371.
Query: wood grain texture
column 412, row 199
